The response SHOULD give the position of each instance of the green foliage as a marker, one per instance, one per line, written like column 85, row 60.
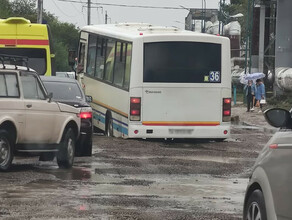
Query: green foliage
column 5, row 9
column 61, row 60
column 65, row 36
column 24, row 8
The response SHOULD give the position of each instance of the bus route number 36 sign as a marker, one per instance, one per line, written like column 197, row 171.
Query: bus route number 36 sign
column 215, row 77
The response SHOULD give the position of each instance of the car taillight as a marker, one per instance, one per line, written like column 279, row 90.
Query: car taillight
column 226, row 109
column 274, row 146
column 85, row 115
column 135, row 108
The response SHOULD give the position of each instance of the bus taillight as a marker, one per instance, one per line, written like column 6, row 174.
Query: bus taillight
column 226, row 109
column 135, row 108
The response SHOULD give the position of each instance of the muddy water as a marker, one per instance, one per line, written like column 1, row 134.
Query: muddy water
column 134, row 179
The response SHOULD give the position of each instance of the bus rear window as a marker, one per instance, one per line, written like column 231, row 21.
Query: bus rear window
column 36, row 57
column 182, row 62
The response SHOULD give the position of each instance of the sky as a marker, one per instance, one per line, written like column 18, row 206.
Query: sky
column 76, row 13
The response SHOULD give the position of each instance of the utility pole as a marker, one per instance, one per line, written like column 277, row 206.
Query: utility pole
column 88, row 11
column 105, row 20
column 40, row 12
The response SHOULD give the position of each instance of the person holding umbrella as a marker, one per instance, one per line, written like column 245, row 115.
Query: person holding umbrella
column 250, row 89
column 260, row 93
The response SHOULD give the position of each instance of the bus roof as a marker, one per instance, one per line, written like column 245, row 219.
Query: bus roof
column 132, row 31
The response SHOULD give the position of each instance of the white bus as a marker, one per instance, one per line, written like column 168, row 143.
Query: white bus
column 156, row 82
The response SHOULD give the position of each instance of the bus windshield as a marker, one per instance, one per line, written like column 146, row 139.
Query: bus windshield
column 182, row 62
column 36, row 57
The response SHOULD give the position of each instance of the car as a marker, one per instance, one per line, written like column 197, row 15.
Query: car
column 68, row 91
column 66, row 74
column 269, row 192
column 30, row 122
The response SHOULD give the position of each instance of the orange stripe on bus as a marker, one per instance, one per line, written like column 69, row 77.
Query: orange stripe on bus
column 23, row 42
column 180, row 123
column 109, row 107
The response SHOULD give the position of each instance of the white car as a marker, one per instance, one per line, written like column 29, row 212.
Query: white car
column 269, row 192
column 31, row 123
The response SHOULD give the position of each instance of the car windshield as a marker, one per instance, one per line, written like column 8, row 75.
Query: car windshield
column 36, row 58
column 64, row 91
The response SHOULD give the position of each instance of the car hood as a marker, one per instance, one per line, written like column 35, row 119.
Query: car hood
column 67, row 108
column 76, row 104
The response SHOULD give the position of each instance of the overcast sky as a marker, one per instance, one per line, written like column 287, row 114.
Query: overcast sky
column 76, row 13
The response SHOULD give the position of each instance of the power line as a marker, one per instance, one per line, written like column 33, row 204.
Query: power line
column 124, row 5
column 62, row 10
column 79, row 11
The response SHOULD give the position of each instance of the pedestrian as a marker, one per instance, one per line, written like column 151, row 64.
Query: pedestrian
column 250, row 93
column 260, row 93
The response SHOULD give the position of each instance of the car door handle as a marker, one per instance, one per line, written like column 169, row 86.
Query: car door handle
column 29, row 105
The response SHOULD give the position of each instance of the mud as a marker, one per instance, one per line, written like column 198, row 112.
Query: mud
column 137, row 179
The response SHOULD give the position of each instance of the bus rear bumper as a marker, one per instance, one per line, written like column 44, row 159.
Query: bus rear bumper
column 212, row 132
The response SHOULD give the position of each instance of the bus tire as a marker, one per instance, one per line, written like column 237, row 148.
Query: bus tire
column 109, row 130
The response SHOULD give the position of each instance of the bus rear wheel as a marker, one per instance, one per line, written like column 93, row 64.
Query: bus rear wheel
column 109, row 131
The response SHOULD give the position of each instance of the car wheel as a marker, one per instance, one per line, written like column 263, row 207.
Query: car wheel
column 6, row 150
column 255, row 207
column 65, row 156
column 109, row 127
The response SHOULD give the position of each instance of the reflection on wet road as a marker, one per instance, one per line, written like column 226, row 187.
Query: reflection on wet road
column 135, row 179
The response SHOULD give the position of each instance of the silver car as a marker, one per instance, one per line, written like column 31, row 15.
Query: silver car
column 269, row 192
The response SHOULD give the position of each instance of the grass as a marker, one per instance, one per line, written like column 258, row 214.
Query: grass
column 280, row 102
column 284, row 102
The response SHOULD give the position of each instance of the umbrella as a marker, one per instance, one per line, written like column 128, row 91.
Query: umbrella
column 254, row 76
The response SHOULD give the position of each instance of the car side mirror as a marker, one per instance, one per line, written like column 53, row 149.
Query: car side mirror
column 279, row 118
column 88, row 98
column 50, row 96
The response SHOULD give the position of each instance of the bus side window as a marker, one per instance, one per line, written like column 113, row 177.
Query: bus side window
column 99, row 63
column 110, row 60
column 120, row 61
column 91, row 55
column 128, row 53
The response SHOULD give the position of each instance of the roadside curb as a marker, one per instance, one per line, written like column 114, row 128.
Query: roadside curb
column 235, row 120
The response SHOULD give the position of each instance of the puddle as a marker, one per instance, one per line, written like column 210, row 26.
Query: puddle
column 245, row 126
column 216, row 159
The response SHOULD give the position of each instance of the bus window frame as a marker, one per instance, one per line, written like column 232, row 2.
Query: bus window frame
column 105, row 38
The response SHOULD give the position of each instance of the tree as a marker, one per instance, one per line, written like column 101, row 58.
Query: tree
column 5, row 9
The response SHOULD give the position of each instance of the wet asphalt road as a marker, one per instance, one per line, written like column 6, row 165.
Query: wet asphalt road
column 137, row 179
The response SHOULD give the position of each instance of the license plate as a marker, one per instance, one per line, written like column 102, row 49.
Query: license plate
column 181, row 131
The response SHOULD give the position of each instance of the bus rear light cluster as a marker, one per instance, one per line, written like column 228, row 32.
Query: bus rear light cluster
column 135, row 108
column 226, row 109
